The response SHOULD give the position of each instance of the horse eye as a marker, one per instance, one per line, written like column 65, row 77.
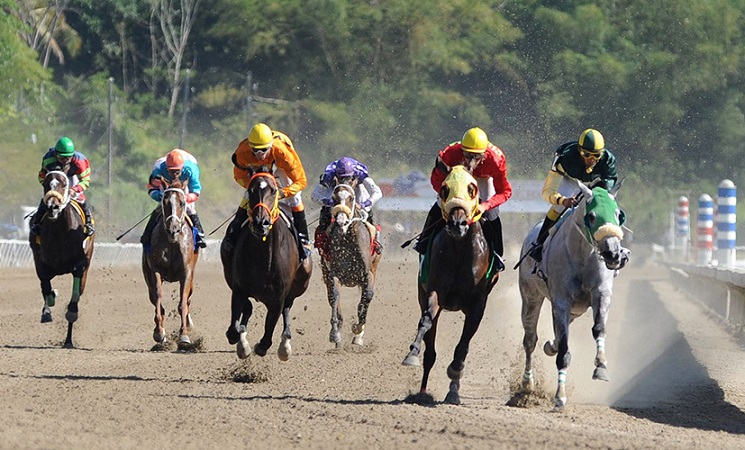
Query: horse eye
column 444, row 192
column 591, row 217
column 473, row 190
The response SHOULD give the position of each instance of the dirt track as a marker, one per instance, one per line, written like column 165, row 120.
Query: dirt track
column 676, row 379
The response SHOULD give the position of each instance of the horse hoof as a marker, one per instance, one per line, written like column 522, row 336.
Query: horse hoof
column 232, row 336
column 159, row 335
column 46, row 315
column 549, row 349
column 184, row 339
column 453, row 398
column 284, row 350
column 259, row 350
column 600, row 373
column 411, row 360
column 527, row 385
column 357, row 340
column 242, row 347
column 560, row 404
column 335, row 338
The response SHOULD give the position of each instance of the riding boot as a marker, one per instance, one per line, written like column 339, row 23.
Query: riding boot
column 200, row 231
column 377, row 246
column 434, row 215
column 35, row 222
column 89, row 231
column 536, row 252
column 495, row 240
column 231, row 234
column 301, row 225
column 148, row 231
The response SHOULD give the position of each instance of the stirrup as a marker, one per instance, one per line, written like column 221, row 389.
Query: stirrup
column 35, row 229
column 537, row 253
column 200, row 242
column 89, row 230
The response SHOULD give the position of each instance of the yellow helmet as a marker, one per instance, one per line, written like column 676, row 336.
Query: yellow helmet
column 475, row 140
column 592, row 141
column 260, row 136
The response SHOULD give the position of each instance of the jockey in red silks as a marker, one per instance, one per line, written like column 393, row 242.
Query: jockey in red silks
column 63, row 157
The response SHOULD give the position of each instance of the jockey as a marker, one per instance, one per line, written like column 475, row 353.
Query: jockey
column 270, row 149
column 63, row 157
column 486, row 162
column 181, row 165
column 587, row 160
column 343, row 171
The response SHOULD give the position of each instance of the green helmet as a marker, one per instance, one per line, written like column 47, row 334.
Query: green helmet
column 65, row 147
column 592, row 141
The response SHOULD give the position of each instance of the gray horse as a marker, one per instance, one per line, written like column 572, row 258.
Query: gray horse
column 580, row 261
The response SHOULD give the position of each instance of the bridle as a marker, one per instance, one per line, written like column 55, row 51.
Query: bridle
column 64, row 198
column 179, row 218
column 272, row 210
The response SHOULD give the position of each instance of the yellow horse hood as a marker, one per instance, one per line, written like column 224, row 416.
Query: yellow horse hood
column 460, row 190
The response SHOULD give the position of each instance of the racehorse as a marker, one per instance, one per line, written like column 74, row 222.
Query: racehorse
column 454, row 275
column 580, row 261
column 171, row 257
column 350, row 261
column 264, row 265
column 62, row 247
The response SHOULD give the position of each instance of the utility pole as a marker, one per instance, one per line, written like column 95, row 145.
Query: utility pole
column 186, row 109
column 111, row 151
column 249, row 81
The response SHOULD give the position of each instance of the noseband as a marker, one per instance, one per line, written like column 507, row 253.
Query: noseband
column 273, row 211
column 179, row 218
column 64, row 198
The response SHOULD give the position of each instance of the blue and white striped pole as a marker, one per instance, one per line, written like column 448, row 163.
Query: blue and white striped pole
column 705, row 230
column 726, row 223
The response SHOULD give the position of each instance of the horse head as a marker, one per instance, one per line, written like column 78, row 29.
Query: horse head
column 263, row 203
column 603, row 219
column 344, row 208
column 173, row 206
column 459, row 201
column 56, row 193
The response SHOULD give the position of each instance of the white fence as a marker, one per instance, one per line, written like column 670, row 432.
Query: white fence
column 17, row 253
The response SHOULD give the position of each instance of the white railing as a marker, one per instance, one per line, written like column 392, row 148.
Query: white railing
column 17, row 253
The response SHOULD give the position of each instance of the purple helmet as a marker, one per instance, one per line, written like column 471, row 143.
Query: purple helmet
column 345, row 167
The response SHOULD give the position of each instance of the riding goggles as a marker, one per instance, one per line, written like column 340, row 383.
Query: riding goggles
column 590, row 155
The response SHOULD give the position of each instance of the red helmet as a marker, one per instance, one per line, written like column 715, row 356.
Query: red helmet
column 175, row 159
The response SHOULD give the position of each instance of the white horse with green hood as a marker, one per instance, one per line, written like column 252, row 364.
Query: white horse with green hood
column 581, row 258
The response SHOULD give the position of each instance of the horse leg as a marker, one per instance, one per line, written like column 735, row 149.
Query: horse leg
column 561, row 319
column 72, row 308
column 332, row 293
column 455, row 369
column 531, row 311
column 155, row 292
column 430, row 312
column 50, row 297
column 285, row 349
column 272, row 316
column 183, row 308
column 358, row 329
column 430, row 353
column 600, row 315
column 240, row 311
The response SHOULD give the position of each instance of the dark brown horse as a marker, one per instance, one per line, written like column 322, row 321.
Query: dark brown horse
column 264, row 265
column 171, row 257
column 454, row 276
column 61, row 247
column 350, row 261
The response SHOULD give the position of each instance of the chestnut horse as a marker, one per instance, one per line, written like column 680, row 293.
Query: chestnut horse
column 264, row 265
column 172, row 257
column 350, row 261
column 62, row 247
column 454, row 276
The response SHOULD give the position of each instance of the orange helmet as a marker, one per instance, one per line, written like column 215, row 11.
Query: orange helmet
column 175, row 159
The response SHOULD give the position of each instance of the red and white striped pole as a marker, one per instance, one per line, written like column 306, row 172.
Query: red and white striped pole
column 705, row 230
column 682, row 228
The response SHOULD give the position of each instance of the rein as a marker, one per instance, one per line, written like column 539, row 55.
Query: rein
column 179, row 218
column 63, row 198
column 273, row 211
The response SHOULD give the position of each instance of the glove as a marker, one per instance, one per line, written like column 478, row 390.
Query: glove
column 281, row 194
column 367, row 203
column 191, row 197
column 156, row 195
column 77, row 189
column 569, row 202
column 328, row 202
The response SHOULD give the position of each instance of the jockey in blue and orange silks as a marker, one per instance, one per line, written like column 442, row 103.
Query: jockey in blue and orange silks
column 63, row 157
column 177, row 164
